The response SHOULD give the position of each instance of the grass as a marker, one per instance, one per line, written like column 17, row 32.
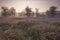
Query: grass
column 30, row 30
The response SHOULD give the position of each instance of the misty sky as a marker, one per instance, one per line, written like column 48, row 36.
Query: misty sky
column 19, row 5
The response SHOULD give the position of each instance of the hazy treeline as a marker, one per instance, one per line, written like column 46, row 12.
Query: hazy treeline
column 52, row 11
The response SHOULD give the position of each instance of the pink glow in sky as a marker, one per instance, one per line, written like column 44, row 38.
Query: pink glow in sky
column 19, row 5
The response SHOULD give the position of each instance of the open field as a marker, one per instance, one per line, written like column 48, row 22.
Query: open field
column 29, row 28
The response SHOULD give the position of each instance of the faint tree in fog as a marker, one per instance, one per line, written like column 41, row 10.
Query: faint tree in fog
column 4, row 11
column 37, row 10
column 52, row 11
column 12, row 11
column 28, row 11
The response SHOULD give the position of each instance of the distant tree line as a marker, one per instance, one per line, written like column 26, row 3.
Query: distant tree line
column 12, row 12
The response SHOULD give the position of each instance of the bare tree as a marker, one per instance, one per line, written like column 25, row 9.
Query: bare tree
column 12, row 11
column 37, row 10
